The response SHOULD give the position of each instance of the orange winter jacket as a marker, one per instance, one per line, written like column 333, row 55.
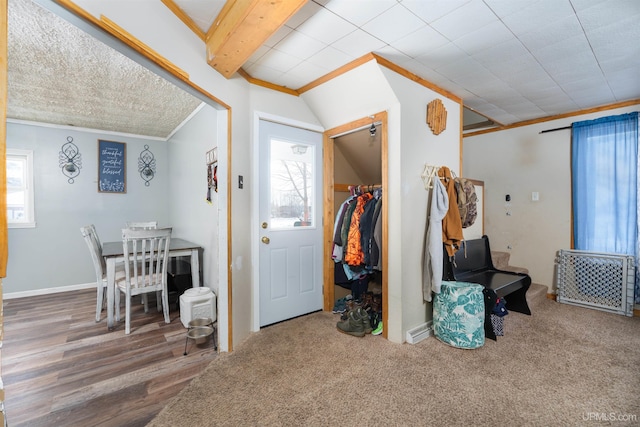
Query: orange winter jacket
column 354, row 254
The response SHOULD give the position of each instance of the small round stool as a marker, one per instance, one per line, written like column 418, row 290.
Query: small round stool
column 200, row 329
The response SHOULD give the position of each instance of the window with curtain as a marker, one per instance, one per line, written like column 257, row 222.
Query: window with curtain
column 604, row 162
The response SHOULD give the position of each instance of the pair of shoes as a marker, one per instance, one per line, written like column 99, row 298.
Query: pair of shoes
column 364, row 316
column 340, row 305
column 356, row 323
column 378, row 329
column 352, row 325
column 374, row 318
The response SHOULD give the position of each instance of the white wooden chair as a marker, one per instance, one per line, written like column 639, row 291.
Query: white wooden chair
column 142, row 225
column 95, row 249
column 146, row 254
column 145, row 225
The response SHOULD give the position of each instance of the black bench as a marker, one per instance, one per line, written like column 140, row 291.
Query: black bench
column 472, row 263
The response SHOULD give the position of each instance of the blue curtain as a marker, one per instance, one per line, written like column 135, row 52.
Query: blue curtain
column 604, row 161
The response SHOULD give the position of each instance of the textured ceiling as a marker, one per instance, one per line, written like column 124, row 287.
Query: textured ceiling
column 508, row 60
column 58, row 74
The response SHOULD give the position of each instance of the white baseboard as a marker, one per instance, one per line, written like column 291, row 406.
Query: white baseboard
column 47, row 291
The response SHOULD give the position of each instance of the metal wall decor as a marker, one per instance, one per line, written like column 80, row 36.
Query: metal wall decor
column 70, row 160
column 436, row 116
column 147, row 165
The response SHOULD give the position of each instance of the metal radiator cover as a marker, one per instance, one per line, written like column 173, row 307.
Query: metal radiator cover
column 601, row 281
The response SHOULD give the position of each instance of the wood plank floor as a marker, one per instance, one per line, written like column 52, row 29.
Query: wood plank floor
column 61, row 368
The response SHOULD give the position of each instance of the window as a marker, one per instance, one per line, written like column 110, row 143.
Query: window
column 292, row 184
column 20, row 208
column 604, row 167
column 604, row 170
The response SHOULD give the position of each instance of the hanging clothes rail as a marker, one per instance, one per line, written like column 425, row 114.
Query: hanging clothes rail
column 356, row 190
column 347, row 187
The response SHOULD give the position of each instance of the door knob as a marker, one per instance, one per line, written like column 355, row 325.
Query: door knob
column 265, row 240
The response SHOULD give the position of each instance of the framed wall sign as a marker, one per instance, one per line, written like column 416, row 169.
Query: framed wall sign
column 112, row 167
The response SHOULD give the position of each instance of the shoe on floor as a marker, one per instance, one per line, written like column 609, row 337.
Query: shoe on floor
column 378, row 329
column 340, row 305
column 352, row 326
column 364, row 316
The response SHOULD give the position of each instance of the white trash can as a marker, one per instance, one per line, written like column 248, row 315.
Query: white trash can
column 197, row 303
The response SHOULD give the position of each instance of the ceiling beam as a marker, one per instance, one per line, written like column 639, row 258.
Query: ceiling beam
column 242, row 27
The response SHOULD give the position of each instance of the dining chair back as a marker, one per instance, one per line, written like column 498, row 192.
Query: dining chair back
column 146, row 254
column 95, row 249
column 145, row 225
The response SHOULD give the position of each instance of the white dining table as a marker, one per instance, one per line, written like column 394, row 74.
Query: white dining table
column 113, row 254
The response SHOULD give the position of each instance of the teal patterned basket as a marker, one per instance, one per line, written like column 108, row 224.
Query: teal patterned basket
column 458, row 315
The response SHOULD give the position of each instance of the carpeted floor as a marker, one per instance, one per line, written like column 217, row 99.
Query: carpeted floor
column 562, row 366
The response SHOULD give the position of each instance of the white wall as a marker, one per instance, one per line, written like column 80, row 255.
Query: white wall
column 417, row 146
column 191, row 216
column 361, row 92
column 518, row 162
column 54, row 254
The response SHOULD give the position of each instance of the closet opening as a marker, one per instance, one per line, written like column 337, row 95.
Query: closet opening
column 355, row 168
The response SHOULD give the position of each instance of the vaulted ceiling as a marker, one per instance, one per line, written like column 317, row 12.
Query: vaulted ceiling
column 508, row 60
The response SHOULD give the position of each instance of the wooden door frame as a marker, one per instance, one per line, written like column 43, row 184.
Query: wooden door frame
column 4, row 240
column 329, row 211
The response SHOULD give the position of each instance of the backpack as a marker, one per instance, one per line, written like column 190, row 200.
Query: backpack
column 467, row 198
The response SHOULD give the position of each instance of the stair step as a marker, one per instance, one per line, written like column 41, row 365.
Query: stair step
column 500, row 259
column 501, row 262
column 535, row 294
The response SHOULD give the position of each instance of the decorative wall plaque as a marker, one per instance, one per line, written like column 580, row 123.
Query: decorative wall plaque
column 70, row 160
column 112, row 170
column 436, row 116
column 146, row 165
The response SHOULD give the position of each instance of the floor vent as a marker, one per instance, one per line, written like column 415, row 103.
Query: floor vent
column 419, row 333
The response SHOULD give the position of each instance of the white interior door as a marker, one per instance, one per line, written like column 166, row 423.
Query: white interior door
column 290, row 206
